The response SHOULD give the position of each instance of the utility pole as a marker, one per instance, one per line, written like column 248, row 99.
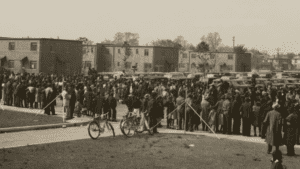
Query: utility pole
column 233, row 39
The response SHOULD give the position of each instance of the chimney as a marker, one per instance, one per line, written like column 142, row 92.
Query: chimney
column 57, row 37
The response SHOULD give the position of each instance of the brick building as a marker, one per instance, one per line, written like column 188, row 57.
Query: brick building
column 41, row 55
column 145, row 58
column 190, row 61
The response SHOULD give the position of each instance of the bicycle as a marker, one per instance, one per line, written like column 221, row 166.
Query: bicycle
column 132, row 123
column 95, row 126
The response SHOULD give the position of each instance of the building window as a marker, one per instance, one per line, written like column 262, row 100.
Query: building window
column 11, row 46
column 33, row 46
column 88, row 64
column 230, row 67
column 230, row 57
column 119, row 51
column 193, row 55
column 51, row 48
column 184, row 55
column 137, row 51
column 33, row 64
column 127, row 65
column 92, row 50
column 146, row 52
column 147, row 65
column 118, row 63
column 11, row 64
column 181, row 65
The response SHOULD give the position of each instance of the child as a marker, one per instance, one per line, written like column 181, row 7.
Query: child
column 212, row 117
column 276, row 162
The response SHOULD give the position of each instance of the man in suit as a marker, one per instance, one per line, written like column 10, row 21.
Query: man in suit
column 9, row 92
column 152, row 109
column 48, row 98
column 72, row 100
column 246, row 112
column 112, row 105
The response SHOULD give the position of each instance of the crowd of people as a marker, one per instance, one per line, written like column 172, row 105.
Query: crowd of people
column 272, row 112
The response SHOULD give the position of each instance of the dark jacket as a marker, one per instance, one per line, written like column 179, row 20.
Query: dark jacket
column 246, row 110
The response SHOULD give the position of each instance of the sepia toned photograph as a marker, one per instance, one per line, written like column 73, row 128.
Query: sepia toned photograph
column 150, row 84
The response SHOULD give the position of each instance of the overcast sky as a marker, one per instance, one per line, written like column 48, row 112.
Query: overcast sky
column 261, row 24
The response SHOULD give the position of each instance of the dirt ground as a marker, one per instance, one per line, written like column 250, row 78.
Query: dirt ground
column 10, row 118
column 144, row 151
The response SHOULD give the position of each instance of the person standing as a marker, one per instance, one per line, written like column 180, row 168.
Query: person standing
column 72, row 102
column 31, row 94
column 112, row 107
column 246, row 113
column 273, row 121
column 205, row 109
column 227, row 118
column 219, row 115
column 48, row 98
column 235, row 111
column 180, row 110
column 66, row 101
column 152, row 110
column 290, row 138
column 256, row 118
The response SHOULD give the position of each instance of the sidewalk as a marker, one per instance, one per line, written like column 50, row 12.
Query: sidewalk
column 76, row 121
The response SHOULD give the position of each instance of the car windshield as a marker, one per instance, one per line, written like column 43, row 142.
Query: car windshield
column 240, row 82
column 259, row 82
column 247, row 82
column 293, row 81
column 277, row 81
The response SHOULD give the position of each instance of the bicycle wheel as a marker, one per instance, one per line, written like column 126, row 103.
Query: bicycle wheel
column 128, row 128
column 110, row 128
column 94, row 130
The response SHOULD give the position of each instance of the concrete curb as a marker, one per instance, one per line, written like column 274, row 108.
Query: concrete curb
column 49, row 126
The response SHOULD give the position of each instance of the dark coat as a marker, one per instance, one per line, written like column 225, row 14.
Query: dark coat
column 273, row 121
column 246, row 110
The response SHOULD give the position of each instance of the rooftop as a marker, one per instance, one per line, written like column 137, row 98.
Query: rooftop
column 8, row 38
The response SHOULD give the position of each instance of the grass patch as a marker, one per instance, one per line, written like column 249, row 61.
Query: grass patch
column 208, row 152
column 10, row 118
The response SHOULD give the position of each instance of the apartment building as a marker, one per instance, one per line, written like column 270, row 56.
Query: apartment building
column 41, row 55
column 89, row 55
column 145, row 58
column 190, row 61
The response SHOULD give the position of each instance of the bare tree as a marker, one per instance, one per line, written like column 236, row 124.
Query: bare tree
column 127, row 53
column 85, row 41
column 213, row 40
column 208, row 62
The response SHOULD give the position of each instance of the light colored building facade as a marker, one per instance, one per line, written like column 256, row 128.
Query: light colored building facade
column 210, row 62
column 145, row 58
column 41, row 55
column 280, row 63
column 296, row 62
column 89, row 54
column 193, row 62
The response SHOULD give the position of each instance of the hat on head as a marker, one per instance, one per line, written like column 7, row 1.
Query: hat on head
column 276, row 105
column 147, row 96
